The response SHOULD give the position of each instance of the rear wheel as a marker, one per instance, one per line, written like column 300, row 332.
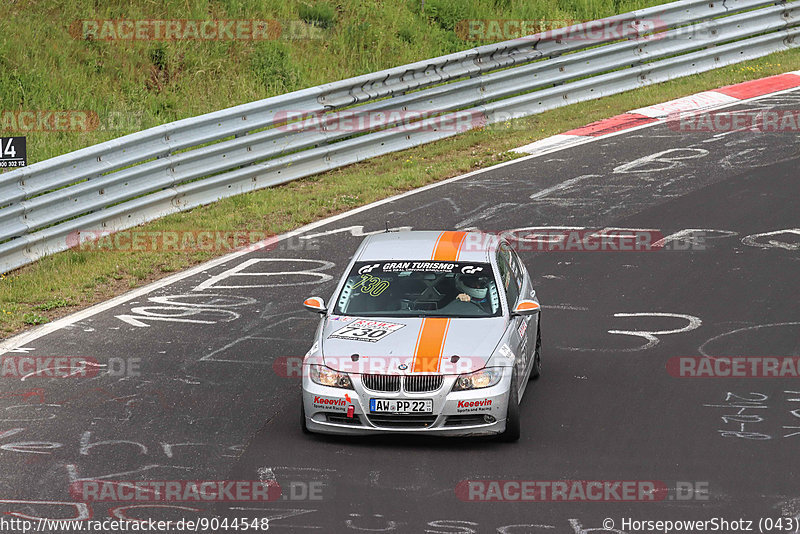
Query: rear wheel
column 536, row 372
column 512, row 430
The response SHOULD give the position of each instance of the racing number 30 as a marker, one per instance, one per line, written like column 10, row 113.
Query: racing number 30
column 371, row 285
column 354, row 331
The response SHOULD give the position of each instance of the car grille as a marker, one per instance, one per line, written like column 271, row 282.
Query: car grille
column 420, row 383
column 342, row 419
column 402, row 421
column 465, row 420
column 413, row 383
column 381, row 382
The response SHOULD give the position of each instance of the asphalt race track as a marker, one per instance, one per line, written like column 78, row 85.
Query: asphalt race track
column 211, row 403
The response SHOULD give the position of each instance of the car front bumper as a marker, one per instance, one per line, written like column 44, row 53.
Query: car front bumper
column 461, row 413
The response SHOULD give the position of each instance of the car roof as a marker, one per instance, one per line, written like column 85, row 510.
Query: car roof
column 429, row 245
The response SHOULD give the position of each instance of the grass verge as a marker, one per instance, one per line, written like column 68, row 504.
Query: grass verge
column 129, row 85
column 68, row 281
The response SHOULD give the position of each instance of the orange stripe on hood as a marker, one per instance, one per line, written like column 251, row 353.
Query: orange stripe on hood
column 448, row 246
column 430, row 343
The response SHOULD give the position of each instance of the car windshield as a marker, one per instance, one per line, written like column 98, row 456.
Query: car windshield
column 419, row 288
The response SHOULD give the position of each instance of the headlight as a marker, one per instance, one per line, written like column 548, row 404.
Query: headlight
column 325, row 376
column 479, row 379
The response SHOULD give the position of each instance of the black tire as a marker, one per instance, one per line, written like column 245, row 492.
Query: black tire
column 512, row 430
column 303, row 417
column 536, row 372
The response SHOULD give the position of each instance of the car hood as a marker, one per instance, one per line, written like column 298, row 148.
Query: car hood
column 412, row 345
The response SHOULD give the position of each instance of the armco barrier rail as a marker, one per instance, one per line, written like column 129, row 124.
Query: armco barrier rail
column 127, row 181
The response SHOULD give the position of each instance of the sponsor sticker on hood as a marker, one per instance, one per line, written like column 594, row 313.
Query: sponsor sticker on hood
column 366, row 330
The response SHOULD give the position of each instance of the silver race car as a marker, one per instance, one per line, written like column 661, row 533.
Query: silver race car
column 426, row 333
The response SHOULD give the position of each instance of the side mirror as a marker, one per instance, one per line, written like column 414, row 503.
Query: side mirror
column 315, row 304
column 526, row 307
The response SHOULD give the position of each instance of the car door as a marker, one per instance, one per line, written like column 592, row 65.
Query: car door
column 510, row 278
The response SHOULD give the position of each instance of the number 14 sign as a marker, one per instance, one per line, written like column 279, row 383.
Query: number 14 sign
column 13, row 152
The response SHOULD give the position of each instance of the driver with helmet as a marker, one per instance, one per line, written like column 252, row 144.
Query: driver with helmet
column 475, row 289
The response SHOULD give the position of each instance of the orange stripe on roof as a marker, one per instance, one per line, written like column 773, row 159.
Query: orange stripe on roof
column 448, row 246
column 430, row 342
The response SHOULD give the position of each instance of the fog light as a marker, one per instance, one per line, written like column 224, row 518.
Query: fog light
column 489, row 419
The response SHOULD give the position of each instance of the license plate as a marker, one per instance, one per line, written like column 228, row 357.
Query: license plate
column 400, row 406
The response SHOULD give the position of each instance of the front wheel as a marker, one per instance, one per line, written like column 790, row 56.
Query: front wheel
column 512, row 430
column 303, row 425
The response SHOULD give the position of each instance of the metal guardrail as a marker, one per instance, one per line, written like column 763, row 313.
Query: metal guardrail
column 137, row 178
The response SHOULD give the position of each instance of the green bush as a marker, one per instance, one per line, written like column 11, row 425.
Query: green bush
column 34, row 319
column 447, row 13
column 406, row 34
column 52, row 304
column 272, row 65
column 158, row 56
column 318, row 14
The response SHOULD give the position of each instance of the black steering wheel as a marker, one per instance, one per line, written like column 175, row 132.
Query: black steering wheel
column 479, row 306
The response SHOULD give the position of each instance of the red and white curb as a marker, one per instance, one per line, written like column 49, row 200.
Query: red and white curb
column 707, row 100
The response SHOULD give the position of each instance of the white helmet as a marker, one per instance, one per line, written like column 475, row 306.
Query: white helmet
column 474, row 286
